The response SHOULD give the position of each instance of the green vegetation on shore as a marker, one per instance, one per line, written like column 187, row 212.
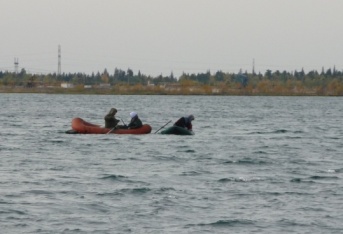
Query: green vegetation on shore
column 313, row 83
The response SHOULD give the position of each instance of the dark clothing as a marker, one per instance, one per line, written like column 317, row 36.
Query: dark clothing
column 135, row 123
column 121, row 127
column 110, row 121
column 184, row 122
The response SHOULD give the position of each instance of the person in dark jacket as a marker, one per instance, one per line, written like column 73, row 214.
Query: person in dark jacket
column 185, row 122
column 135, row 121
column 110, row 119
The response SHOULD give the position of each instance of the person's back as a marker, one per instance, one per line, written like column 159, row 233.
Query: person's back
column 110, row 120
column 185, row 122
column 180, row 122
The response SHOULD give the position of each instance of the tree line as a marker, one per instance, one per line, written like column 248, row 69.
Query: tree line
column 326, row 82
column 119, row 76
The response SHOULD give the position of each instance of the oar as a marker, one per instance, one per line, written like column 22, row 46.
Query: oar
column 112, row 129
column 162, row 127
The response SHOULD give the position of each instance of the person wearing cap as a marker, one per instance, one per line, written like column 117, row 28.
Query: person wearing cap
column 135, row 121
column 185, row 122
column 110, row 119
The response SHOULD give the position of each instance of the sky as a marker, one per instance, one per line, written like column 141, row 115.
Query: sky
column 160, row 37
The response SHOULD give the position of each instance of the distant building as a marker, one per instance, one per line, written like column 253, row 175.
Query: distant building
column 67, row 85
column 150, row 84
column 104, row 85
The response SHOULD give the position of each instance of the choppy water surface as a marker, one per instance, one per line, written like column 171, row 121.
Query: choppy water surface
column 254, row 165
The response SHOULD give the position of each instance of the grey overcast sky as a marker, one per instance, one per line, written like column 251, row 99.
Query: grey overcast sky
column 164, row 36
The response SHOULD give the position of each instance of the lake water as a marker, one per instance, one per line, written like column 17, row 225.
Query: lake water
column 254, row 165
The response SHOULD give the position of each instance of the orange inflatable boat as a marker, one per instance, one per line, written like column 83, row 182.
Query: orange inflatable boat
column 81, row 126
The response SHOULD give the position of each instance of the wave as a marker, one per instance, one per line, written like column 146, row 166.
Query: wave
column 288, row 223
column 186, row 151
column 125, row 191
column 300, row 180
column 39, row 192
column 246, row 162
column 11, row 211
column 280, row 131
column 313, row 179
column 293, row 137
column 240, row 179
column 324, row 177
column 229, row 223
column 277, row 131
column 123, row 179
column 112, row 177
column 191, row 173
column 136, row 191
column 340, row 170
column 269, row 132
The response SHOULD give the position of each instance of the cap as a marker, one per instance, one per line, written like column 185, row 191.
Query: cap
column 191, row 117
column 133, row 114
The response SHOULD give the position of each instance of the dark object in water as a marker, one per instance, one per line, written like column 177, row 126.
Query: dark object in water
column 175, row 130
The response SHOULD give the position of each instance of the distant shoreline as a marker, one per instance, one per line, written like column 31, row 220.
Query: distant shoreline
column 151, row 91
column 329, row 83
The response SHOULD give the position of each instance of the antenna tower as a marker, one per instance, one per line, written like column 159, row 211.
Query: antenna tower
column 59, row 61
column 16, row 65
column 253, row 66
